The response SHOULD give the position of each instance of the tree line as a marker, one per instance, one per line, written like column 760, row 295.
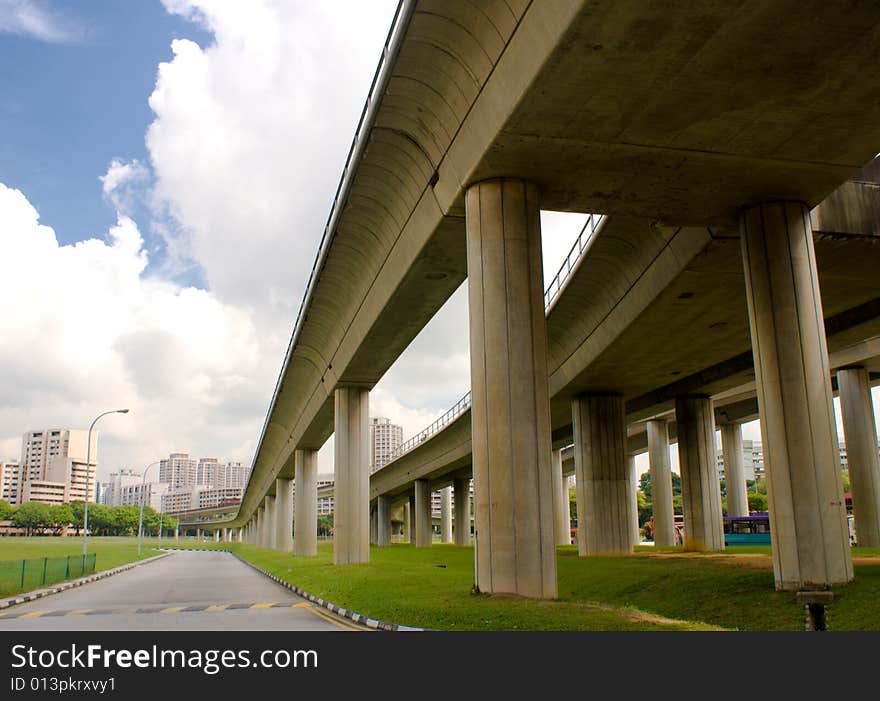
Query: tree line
column 103, row 520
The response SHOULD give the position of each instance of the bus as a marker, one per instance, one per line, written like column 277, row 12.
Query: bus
column 753, row 529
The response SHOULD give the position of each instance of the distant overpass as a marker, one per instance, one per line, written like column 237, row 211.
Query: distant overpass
column 706, row 138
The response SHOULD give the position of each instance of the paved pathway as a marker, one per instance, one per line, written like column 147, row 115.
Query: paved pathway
column 187, row 590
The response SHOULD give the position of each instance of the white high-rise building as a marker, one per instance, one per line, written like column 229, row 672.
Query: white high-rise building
column 10, row 483
column 179, row 470
column 118, row 482
column 208, row 471
column 385, row 438
column 53, row 466
column 234, row 475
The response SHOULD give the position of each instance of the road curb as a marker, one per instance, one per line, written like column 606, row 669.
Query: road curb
column 347, row 614
column 73, row 583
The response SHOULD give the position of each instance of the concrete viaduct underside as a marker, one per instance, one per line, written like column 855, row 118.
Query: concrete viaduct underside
column 707, row 137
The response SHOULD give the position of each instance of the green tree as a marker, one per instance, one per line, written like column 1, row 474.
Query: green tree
column 6, row 510
column 646, row 508
column 757, row 502
column 645, row 485
column 60, row 517
column 325, row 524
column 78, row 509
column 32, row 515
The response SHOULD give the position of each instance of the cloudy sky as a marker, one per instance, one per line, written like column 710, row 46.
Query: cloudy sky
column 166, row 170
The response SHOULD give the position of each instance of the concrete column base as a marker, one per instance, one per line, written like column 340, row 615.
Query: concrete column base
column 424, row 532
column 734, row 470
column 661, row 483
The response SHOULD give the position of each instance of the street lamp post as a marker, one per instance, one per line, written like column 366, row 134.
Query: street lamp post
column 88, row 480
column 141, row 517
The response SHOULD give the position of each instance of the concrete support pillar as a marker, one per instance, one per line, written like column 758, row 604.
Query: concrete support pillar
column 807, row 513
column 351, row 518
column 861, row 453
column 510, row 411
column 462, row 489
column 383, row 519
column 634, row 500
column 259, row 522
column 446, row 515
column 216, row 535
column 603, row 475
column 374, row 525
column 271, row 521
column 424, row 532
column 661, row 482
column 305, row 525
column 698, row 466
column 177, row 534
column 284, row 515
column 240, row 535
column 734, row 470
column 561, row 508
column 407, row 522
column 198, row 535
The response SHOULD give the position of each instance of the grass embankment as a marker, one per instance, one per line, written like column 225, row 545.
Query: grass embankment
column 652, row 590
column 111, row 552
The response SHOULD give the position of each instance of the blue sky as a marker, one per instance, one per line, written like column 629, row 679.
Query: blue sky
column 68, row 107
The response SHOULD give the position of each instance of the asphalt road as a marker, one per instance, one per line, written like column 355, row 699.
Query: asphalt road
column 187, row 590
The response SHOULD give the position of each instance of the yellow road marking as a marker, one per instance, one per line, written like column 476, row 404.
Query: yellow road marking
column 34, row 614
column 77, row 612
column 338, row 622
column 217, row 607
column 264, row 605
column 173, row 609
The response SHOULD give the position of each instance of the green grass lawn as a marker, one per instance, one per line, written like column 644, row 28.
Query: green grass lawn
column 111, row 551
column 652, row 590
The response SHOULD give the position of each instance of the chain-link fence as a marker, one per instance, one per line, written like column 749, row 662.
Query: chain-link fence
column 23, row 575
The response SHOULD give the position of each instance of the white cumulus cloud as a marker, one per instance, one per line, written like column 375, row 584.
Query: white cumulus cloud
column 87, row 332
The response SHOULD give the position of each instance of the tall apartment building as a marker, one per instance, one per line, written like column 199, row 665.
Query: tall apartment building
column 179, row 470
column 385, row 438
column 130, row 494
column 208, row 471
column 10, row 482
column 53, row 466
column 114, row 487
column 234, row 475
